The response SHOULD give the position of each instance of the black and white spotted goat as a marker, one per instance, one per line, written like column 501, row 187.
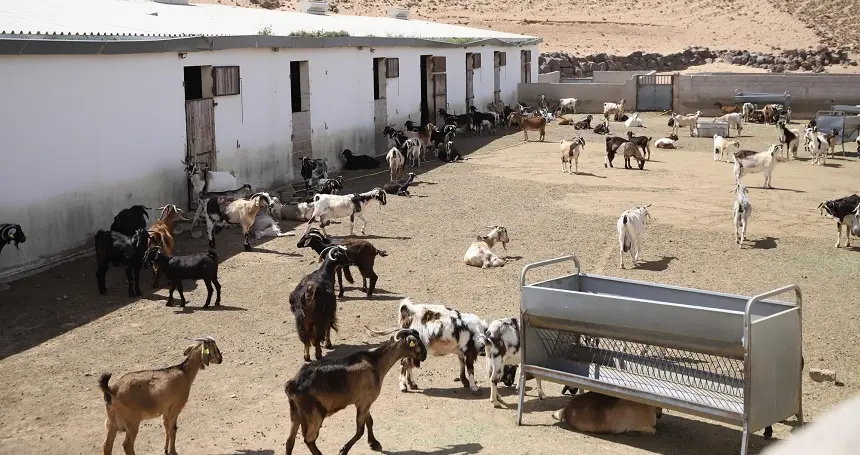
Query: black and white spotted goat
column 845, row 211
column 502, row 348
column 329, row 207
column 11, row 233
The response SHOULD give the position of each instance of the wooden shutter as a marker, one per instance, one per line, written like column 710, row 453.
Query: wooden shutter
column 226, row 80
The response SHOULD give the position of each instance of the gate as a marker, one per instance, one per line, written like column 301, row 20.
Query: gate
column 654, row 92
column 440, row 88
column 200, row 137
column 470, row 81
column 848, row 126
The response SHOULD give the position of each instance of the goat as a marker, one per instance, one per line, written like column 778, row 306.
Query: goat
column 480, row 253
column 147, row 394
column 665, row 143
column 721, row 145
column 321, row 389
column 733, row 119
column 113, row 248
column 789, row 138
column 487, row 125
column 443, row 331
column 161, row 233
column 631, row 226
column 292, row 212
column 832, row 141
column 479, row 118
column 396, row 162
column 612, row 145
column 690, row 120
column 462, row 121
column 616, row 109
column 423, row 135
column 749, row 162
column 330, row 186
column 529, row 124
column 845, row 212
column 565, row 104
column 634, row 121
column 312, row 171
column 203, row 198
column 570, row 150
column 642, row 142
column 728, row 109
column 227, row 210
column 361, row 254
column 631, row 150
column 623, row 118
column 329, row 207
column 200, row 266
column 206, row 181
column 399, row 187
column 449, row 153
column 356, row 162
column 741, row 212
column 314, row 305
column 129, row 220
column 602, row 128
column 11, row 233
column 596, row 413
column 439, row 138
column 747, row 109
column 768, row 111
column 817, row 143
column 502, row 348
column 266, row 226
column 566, row 119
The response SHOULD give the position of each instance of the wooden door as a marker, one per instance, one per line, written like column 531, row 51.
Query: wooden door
column 440, row 88
column 199, row 138
column 470, row 81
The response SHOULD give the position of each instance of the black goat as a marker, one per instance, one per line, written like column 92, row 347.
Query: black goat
column 612, row 144
column 449, row 153
column 462, row 121
column 584, row 124
column 129, row 220
column 361, row 254
column 114, row 248
column 11, row 233
column 314, row 305
column 410, row 126
column 622, row 117
column 357, row 162
column 441, row 137
column 329, row 186
column 399, row 187
column 312, row 171
column 602, row 128
column 479, row 117
column 643, row 143
column 506, row 114
column 200, row 266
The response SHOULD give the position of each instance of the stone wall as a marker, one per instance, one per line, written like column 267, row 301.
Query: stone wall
column 813, row 60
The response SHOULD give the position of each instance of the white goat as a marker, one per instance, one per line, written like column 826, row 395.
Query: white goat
column 747, row 109
column 413, row 151
column 502, row 348
column 396, row 161
column 480, row 253
column 616, row 109
column 733, row 119
column 266, row 226
column 817, row 143
column 223, row 210
column 750, row 162
column 291, row 212
column 689, row 120
column 567, row 103
column 721, row 144
column 570, row 150
column 634, row 121
column 329, row 207
column 205, row 181
column 631, row 227
column 665, row 143
column 741, row 211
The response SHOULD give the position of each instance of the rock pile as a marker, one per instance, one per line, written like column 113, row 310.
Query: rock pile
column 814, row 60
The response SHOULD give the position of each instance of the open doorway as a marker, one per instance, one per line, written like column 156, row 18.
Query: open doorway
column 425, row 82
column 300, row 97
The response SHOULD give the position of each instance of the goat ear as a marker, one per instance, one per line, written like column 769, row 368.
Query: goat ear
column 188, row 350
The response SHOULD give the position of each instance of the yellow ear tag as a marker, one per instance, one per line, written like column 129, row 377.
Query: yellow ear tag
column 411, row 344
column 206, row 351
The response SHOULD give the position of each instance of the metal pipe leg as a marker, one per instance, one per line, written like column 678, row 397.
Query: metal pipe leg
column 522, row 387
column 745, row 439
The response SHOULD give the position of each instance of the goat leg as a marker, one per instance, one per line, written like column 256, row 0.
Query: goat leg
column 360, row 422
column 217, row 290
column 295, row 423
column 208, row 293
column 340, row 281
column 371, row 439
column 181, row 295
column 100, row 276
column 136, row 272
column 172, row 285
column 247, row 239
column 129, row 275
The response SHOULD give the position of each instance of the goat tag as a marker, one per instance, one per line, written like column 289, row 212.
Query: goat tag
column 411, row 344
column 206, row 351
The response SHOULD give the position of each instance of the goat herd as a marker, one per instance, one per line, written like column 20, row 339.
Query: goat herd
column 324, row 387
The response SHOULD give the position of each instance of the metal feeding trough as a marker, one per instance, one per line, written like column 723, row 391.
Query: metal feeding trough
column 766, row 98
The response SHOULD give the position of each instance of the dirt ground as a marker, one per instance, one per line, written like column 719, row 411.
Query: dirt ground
column 57, row 334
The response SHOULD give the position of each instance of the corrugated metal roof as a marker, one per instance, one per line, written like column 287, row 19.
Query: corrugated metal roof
column 148, row 18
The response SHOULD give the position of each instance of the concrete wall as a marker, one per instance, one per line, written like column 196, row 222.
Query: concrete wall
column 591, row 96
column 553, row 77
column 617, row 77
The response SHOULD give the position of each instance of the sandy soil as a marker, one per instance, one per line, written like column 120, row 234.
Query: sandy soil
column 57, row 334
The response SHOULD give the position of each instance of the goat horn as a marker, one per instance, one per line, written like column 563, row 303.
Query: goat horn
column 160, row 208
column 402, row 332
column 382, row 333
column 649, row 205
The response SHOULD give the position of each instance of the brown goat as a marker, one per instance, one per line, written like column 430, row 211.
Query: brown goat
column 631, row 150
column 161, row 234
column 597, row 413
column 145, row 395
column 767, row 110
column 529, row 124
column 728, row 109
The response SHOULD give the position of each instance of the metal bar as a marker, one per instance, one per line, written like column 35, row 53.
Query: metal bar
column 547, row 262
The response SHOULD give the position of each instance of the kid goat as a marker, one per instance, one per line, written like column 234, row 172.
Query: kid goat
column 741, row 211
column 329, row 207
column 200, row 266
column 570, row 150
column 631, row 227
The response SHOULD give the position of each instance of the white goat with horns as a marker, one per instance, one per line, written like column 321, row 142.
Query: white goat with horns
column 741, row 211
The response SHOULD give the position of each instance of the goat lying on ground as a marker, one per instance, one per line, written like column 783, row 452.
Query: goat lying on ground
column 161, row 234
column 529, row 124
column 596, row 413
column 399, row 187
column 631, row 150
column 613, row 143
column 733, row 119
column 749, row 162
column 721, row 145
column 301, row 211
column 616, row 109
column 741, row 212
column 690, row 120
column 314, row 305
column 331, row 207
column 570, row 151
column 113, row 248
column 728, row 109
column 129, row 220
column 631, row 227
column 266, row 226
column 642, row 142
column 200, row 266
column 11, row 233
column 634, row 121
column 147, row 394
column 480, row 253
column 602, row 128
column 584, row 123
column 665, row 143
column 357, row 162
column 845, row 211
column 360, row 253
column 502, row 348
column 321, row 389
column 449, row 153
column 227, row 210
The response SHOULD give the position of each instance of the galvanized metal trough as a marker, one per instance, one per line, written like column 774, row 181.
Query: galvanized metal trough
column 765, row 98
column 677, row 348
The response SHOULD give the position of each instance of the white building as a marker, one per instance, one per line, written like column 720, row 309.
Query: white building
column 100, row 100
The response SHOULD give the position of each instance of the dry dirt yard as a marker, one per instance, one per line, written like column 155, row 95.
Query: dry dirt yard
column 57, row 334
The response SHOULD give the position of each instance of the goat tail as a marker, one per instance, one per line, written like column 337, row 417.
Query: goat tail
column 212, row 254
column 348, row 275
column 103, row 384
column 382, row 253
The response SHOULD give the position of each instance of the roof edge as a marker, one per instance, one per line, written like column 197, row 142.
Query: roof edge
column 126, row 44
